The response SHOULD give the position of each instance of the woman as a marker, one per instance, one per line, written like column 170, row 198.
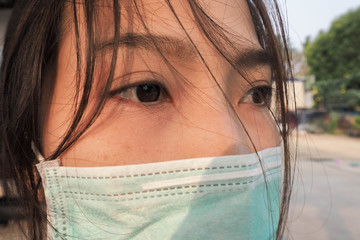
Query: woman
column 149, row 119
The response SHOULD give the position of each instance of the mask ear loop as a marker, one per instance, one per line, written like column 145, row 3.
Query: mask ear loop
column 37, row 153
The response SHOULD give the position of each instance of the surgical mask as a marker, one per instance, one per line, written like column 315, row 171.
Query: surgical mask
column 227, row 197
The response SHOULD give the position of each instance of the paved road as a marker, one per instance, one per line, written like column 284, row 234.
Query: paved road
column 326, row 200
column 326, row 203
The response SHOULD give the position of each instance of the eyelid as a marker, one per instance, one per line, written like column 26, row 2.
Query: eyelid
column 257, row 83
column 112, row 93
column 135, row 78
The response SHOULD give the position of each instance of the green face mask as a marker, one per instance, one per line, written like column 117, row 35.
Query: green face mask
column 228, row 197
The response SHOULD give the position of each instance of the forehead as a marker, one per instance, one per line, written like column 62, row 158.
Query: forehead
column 181, row 19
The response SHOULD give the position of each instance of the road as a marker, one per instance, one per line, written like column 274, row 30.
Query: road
column 326, row 192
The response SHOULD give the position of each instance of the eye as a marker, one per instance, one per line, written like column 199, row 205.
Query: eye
column 260, row 96
column 144, row 93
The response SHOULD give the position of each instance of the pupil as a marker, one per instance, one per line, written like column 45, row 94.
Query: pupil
column 256, row 97
column 261, row 95
column 148, row 93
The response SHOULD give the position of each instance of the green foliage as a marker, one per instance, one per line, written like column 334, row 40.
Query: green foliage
column 329, row 124
column 338, row 94
column 336, row 53
column 332, row 124
column 334, row 59
column 357, row 122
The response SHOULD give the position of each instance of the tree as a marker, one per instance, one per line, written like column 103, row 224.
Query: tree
column 338, row 94
column 334, row 58
column 336, row 53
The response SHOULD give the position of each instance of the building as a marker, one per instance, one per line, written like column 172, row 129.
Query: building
column 300, row 94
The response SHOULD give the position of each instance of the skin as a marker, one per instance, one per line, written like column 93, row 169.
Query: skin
column 193, row 120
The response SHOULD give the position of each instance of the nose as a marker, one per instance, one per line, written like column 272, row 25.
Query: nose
column 212, row 126
column 213, row 129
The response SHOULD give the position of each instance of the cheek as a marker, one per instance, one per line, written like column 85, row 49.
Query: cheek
column 128, row 136
column 260, row 126
column 123, row 136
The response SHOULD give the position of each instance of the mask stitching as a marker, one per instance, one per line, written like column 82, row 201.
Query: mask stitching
column 80, row 194
column 157, row 196
column 167, row 172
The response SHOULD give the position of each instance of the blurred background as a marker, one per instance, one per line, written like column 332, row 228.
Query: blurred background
column 324, row 36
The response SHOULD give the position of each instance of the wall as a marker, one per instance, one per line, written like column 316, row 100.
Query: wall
column 303, row 98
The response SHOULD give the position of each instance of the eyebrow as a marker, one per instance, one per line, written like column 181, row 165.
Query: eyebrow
column 184, row 50
column 253, row 57
column 169, row 46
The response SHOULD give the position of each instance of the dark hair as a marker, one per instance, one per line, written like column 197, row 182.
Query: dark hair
column 30, row 51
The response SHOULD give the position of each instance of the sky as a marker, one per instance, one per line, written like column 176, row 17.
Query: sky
column 308, row 17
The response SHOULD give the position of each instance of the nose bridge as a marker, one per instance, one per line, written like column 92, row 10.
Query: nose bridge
column 233, row 137
column 217, row 128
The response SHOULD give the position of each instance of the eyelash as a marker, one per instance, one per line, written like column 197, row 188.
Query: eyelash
column 147, row 92
column 153, row 92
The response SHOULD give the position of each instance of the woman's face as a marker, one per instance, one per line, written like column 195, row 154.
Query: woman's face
column 158, row 109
